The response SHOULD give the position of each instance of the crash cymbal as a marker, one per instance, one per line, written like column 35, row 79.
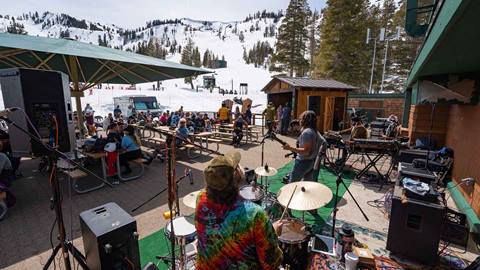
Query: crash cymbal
column 190, row 200
column 265, row 171
column 308, row 195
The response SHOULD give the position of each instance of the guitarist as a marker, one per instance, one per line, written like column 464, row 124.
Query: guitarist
column 308, row 145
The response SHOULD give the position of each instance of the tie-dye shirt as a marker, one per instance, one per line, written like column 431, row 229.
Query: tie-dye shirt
column 239, row 236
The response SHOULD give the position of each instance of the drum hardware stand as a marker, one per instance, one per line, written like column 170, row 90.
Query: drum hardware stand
column 173, row 191
column 64, row 245
column 338, row 182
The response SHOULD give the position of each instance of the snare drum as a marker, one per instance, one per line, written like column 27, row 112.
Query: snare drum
column 184, row 228
column 252, row 193
column 294, row 243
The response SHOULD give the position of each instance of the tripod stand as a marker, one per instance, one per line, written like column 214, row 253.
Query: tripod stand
column 338, row 182
column 65, row 246
column 172, row 186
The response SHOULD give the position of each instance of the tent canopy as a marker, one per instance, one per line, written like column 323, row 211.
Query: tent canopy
column 87, row 63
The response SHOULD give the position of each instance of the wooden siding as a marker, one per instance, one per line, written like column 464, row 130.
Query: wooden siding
column 302, row 100
column 464, row 138
column 420, row 122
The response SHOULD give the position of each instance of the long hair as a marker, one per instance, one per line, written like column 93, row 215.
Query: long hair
column 308, row 119
column 131, row 132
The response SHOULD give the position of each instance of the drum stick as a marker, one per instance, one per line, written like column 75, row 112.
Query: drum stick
column 288, row 204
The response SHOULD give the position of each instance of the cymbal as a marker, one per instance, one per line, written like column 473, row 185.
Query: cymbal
column 260, row 171
column 308, row 195
column 190, row 200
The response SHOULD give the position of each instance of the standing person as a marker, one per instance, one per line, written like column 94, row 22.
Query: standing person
column 285, row 119
column 269, row 114
column 117, row 112
column 278, row 118
column 89, row 119
column 248, row 114
column 237, row 112
column 107, row 121
column 223, row 114
column 238, row 127
column 175, row 119
column 233, row 233
column 308, row 144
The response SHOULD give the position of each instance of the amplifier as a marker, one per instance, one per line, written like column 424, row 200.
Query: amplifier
column 420, row 174
column 110, row 238
column 408, row 155
column 415, row 228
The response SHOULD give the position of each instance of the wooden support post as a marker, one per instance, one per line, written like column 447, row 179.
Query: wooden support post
column 74, row 78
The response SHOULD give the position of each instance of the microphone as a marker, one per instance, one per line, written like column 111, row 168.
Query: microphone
column 5, row 112
column 190, row 176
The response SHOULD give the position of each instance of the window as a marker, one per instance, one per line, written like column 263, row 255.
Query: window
column 313, row 104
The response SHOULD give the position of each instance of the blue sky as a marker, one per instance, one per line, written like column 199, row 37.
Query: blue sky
column 128, row 13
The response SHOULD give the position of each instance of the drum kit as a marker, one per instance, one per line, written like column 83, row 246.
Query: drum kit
column 295, row 233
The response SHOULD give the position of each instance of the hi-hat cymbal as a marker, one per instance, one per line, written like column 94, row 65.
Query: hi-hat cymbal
column 190, row 200
column 261, row 171
column 308, row 195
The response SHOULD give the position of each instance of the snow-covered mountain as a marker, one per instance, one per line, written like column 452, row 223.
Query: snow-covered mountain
column 227, row 39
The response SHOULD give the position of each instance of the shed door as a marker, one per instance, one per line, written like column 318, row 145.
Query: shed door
column 329, row 112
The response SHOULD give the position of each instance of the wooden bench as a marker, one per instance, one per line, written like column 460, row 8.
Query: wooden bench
column 189, row 148
column 138, row 161
column 147, row 150
column 76, row 174
column 156, row 140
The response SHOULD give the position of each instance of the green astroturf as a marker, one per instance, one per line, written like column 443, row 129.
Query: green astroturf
column 157, row 244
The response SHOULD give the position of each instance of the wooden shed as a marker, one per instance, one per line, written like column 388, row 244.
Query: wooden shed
column 327, row 98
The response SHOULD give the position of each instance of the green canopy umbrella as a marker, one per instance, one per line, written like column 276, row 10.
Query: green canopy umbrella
column 87, row 64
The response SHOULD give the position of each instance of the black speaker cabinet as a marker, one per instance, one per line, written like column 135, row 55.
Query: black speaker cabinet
column 110, row 238
column 415, row 228
column 40, row 94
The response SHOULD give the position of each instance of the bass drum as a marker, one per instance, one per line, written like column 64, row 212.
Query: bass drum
column 293, row 240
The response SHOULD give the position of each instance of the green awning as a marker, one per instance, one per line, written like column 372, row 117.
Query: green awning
column 451, row 46
column 94, row 64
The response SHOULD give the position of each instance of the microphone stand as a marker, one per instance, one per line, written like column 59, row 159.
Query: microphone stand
column 339, row 181
column 66, row 246
column 172, row 184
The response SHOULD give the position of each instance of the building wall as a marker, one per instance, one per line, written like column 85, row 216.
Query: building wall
column 420, row 124
column 388, row 105
column 302, row 102
column 464, row 137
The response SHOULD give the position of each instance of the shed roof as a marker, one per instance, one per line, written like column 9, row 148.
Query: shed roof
column 311, row 83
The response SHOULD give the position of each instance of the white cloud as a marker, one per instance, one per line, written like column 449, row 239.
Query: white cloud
column 127, row 13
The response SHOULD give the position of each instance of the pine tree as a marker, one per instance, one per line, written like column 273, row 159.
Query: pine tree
column 241, row 36
column 342, row 54
column 205, row 58
column 292, row 37
column 187, row 59
column 196, row 61
column 313, row 35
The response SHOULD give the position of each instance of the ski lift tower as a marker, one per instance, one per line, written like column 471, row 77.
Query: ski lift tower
column 243, row 88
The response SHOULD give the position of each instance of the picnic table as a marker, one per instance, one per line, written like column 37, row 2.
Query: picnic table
column 227, row 130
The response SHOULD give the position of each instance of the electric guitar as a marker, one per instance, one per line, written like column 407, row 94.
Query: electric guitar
column 274, row 137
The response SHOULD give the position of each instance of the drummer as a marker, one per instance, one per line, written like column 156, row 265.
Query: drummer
column 233, row 233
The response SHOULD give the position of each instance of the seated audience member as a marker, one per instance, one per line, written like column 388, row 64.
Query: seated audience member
column 238, row 126
column 163, row 119
column 175, row 119
column 114, row 135
column 6, row 148
column 357, row 131
column 7, row 174
column 182, row 132
column 131, row 146
column 208, row 126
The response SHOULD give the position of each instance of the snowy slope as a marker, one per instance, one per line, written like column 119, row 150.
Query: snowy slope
column 218, row 37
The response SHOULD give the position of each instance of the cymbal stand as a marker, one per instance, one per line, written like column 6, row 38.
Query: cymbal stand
column 339, row 181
